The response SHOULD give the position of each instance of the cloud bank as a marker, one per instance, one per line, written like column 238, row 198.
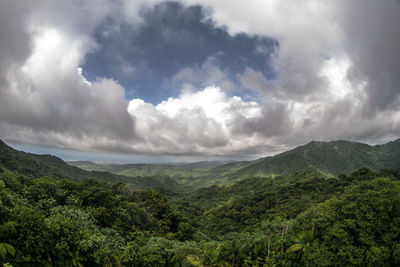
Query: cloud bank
column 331, row 71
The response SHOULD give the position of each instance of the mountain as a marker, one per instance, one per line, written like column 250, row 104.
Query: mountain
column 328, row 159
column 33, row 166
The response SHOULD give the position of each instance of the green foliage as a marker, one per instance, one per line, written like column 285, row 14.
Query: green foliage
column 5, row 250
column 245, row 204
column 301, row 219
column 362, row 227
column 185, row 231
column 47, row 221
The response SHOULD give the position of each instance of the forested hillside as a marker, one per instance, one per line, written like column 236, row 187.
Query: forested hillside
column 301, row 219
column 33, row 166
column 327, row 158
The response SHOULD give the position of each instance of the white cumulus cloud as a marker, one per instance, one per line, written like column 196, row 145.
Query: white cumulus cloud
column 199, row 122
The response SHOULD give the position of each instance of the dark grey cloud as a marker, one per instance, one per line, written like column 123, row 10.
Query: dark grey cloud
column 373, row 45
column 15, row 42
column 43, row 97
column 273, row 121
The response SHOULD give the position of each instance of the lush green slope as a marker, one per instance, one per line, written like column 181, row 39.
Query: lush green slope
column 304, row 219
column 244, row 204
column 34, row 166
column 49, row 221
column 326, row 158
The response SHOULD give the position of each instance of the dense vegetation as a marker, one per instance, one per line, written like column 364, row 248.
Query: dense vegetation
column 293, row 221
column 301, row 219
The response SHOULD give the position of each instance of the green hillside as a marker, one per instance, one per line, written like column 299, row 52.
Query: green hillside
column 328, row 159
column 34, row 166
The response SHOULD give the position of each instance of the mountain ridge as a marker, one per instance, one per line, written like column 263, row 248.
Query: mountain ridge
column 328, row 159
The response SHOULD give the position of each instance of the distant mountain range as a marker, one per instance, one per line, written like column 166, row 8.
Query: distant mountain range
column 33, row 166
column 328, row 159
column 138, row 169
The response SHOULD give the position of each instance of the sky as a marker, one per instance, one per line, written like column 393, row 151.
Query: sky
column 158, row 81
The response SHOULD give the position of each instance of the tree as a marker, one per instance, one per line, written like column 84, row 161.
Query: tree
column 360, row 228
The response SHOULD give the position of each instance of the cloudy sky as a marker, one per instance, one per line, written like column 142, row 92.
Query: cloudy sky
column 196, row 79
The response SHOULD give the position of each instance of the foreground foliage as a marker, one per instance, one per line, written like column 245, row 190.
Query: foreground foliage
column 295, row 220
